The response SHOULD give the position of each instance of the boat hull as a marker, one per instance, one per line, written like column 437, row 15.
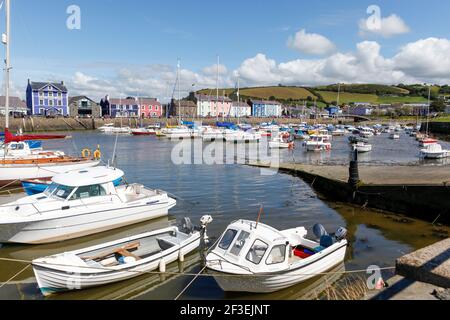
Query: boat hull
column 55, row 279
column 268, row 283
column 82, row 224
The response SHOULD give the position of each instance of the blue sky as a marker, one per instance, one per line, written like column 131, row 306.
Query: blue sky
column 120, row 38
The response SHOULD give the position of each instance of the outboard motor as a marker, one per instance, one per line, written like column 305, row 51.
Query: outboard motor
column 319, row 231
column 186, row 226
column 340, row 234
column 205, row 220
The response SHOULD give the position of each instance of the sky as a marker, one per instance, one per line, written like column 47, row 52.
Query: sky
column 130, row 48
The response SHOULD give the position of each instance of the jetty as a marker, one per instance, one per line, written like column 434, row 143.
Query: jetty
column 416, row 191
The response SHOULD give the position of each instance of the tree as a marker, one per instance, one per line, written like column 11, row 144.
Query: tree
column 438, row 106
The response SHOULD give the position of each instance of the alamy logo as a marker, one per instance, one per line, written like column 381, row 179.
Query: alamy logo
column 374, row 278
column 74, row 19
column 374, row 20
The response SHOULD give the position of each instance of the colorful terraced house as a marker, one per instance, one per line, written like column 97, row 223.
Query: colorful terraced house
column 47, row 98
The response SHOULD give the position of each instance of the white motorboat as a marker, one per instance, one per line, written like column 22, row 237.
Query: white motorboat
column 213, row 134
column 434, row 151
column 394, row 136
column 181, row 132
column 254, row 257
column 111, row 129
column 318, row 143
column 366, row 132
column 280, row 143
column 80, row 203
column 242, row 137
column 362, row 147
column 118, row 260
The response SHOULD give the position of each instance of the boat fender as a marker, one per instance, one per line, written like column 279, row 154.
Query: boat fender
column 86, row 153
column 181, row 256
column 162, row 266
column 97, row 154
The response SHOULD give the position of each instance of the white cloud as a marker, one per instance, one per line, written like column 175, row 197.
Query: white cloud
column 422, row 61
column 311, row 43
column 387, row 27
column 212, row 70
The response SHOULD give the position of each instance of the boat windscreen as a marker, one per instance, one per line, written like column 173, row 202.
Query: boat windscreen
column 227, row 239
column 62, row 192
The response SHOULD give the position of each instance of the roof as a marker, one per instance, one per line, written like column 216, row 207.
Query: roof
column 13, row 102
column 240, row 104
column 265, row 102
column 123, row 101
column 72, row 99
column 88, row 177
column 149, row 101
column 184, row 104
column 204, row 97
column 263, row 230
column 40, row 85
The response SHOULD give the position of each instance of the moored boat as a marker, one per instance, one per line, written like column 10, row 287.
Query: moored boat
column 118, row 260
column 434, row 151
column 362, row 147
column 254, row 257
column 80, row 203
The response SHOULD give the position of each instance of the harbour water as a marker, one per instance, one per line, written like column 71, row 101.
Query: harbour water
column 230, row 192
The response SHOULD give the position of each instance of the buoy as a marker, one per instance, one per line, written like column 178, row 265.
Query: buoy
column 181, row 256
column 162, row 266
column 380, row 284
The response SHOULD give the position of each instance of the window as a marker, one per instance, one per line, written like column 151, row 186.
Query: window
column 227, row 239
column 257, row 251
column 50, row 88
column 62, row 192
column 50, row 94
column 59, row 102
column 276, row 255
column 41, row 94
column 88, row 192
column 59, row 94
column 156, row 108
column 41, row 102
column 50, row 189
column 50, row 102
column 240, row 243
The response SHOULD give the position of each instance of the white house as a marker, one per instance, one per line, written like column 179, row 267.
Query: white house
column 240, row 109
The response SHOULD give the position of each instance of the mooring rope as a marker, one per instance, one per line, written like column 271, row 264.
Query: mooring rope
column 13, row 277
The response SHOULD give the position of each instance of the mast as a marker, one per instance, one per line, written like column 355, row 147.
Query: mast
column 238, row 100
column 179, row 91
column 429, row 104
column 5, row 40
column 217, row 90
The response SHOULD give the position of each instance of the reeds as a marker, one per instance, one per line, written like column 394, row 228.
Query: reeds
column 349, row 288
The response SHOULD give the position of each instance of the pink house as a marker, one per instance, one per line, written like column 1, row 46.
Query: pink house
column 209, row 106
column 150, row 108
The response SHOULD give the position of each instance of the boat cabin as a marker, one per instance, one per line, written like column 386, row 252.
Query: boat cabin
column 246, row 247
column 84, row 184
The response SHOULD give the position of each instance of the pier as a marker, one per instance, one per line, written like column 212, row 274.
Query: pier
column 420, row 192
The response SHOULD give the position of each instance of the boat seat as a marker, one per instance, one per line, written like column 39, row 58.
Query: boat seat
column 165, row 242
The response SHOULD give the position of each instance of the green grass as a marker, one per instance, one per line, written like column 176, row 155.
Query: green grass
column 441, row 119
column 282, row 93
column 388, row 100
column 345, row 97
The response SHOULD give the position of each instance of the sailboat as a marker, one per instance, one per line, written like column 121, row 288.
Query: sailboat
column 426, row 140
column 19, row 161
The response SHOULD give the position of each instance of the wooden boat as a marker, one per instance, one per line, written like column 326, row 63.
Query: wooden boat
column 254, row 257
column 118, row 260
column 80, row 203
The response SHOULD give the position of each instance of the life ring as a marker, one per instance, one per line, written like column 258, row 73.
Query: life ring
column 86, row 153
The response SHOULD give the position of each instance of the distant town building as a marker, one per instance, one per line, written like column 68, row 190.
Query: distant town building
column 16, row 106
column 333, row 110
column 150, row 108
column 210, row 106
column 82, row 106
column 124, row 108
column 265, row 109
column 47, row 99
column 418, row 109
column 361, row 110
column 240, row 109
column 183, row 108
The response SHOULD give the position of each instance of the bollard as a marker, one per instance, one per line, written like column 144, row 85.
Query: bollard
column 353, row 171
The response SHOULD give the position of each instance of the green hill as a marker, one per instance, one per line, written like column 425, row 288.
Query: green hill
column 279, row 93
column 376, row 89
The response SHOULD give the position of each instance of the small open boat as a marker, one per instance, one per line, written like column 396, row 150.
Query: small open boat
column 394, row 136
column 118, row 260
column 362, row 147
column 143, row 132
column 280, row 143
column 254, row 257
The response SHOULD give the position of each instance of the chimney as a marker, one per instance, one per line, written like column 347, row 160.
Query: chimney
column 29, row 82
column 62, row 82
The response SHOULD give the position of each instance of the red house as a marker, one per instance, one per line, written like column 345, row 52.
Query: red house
column 150, row 108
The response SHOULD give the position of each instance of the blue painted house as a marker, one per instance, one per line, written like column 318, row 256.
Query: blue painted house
column 124, row 108
column 333, row 110
column 47, row 99
column 266, row 109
